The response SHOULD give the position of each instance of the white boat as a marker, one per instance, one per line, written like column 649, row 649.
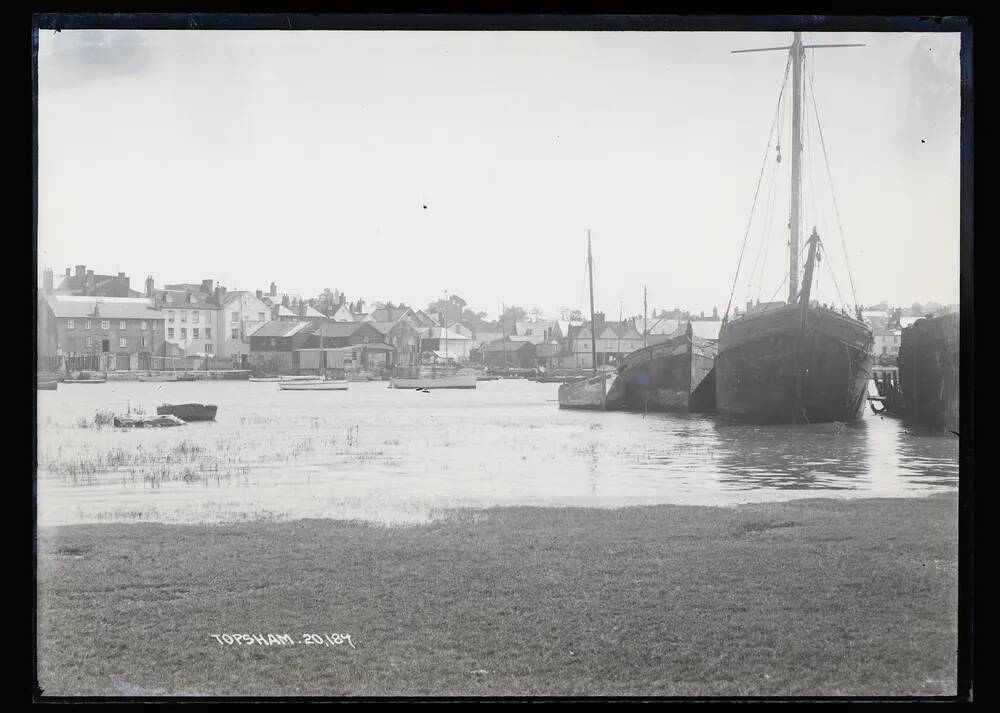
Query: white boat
column 159, row 377
column 272, row 379
column 313, row 385
column 305, row 377
column 451, row 381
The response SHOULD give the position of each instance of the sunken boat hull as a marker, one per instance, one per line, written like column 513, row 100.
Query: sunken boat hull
column 600, row 392
column 772, row 368
column 671, row 376
column 928, row 372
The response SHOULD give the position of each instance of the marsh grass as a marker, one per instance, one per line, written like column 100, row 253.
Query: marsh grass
column 821, row 597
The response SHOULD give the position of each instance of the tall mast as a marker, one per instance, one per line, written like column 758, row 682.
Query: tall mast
column 795, row 220
column 503, row 331
column 797, row 50
column 593, row 327
column 645, row 321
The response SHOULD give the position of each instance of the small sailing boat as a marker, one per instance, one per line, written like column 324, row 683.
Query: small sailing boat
column 592, row 392
column 798, row 362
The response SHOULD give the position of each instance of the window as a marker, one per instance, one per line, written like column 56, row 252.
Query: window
column 234, row 317
column 208, row 348
column 121, row 324
column 87, row 324
column 69, row 324
column 105, row 324
column 154, row 326
column 122, row 342
column 184, row 316
column 170, row 332
column 236, row 333
column 89, row 341
column 144, row 341
column 142, row 324
column 184, row 333
column 194, row 333
column 260, row 316
column 170, row 315
column 196, row 316
column 208, row 332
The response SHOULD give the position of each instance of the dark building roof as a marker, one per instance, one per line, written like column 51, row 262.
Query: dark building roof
column 281, row 328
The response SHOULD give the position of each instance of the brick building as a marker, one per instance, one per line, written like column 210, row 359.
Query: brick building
column 98, row 333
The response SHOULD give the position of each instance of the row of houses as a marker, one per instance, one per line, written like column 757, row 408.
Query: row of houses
column 100, row 321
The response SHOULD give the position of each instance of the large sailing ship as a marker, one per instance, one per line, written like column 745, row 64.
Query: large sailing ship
column 799, row 362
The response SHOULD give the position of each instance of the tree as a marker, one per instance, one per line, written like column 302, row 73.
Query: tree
column 450, row 309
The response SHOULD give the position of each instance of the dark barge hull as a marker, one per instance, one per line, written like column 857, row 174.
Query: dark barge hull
column 928, row 372
column 671, row 376
column 188, row 412
column 771, row 370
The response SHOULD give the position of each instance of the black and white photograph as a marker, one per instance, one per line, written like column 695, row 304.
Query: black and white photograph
column 535, row 358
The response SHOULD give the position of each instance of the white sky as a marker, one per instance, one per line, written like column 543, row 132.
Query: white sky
column 307, row 158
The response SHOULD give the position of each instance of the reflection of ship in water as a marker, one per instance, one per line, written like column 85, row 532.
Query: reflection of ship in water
column 928, row 372
column 674, row 375
column 821, row 456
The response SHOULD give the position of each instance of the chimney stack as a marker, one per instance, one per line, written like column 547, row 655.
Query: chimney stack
column 68, row 272
column 259, row 293
column 150, row 292
column 274, row 290
column 81, row 270
column 207, row 286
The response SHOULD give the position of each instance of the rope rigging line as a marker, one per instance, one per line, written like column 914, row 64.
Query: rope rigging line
column 760, row 178
column 783, row 281
column 764, row 242
column 836, row 207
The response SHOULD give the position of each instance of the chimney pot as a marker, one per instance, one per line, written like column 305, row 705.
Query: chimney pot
column 274, row 289
column 81, row 270
column 68, row 272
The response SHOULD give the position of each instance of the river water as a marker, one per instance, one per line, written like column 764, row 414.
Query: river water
column 399, row 456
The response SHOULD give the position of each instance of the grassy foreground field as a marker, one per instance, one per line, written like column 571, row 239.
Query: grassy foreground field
column 818, row 597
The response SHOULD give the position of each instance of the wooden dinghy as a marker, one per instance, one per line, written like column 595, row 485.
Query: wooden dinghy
column 188, row 412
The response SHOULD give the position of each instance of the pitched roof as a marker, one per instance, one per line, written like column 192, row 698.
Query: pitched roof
column 179, row 299
column 500, row 345
column 276, row 328
column 441, row 333
column 74, row 306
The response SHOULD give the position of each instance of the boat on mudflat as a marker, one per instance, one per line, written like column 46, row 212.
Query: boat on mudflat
column 188, row 412
column 440, row 381
column 675, row 375
column 603, row 391
column 85, row 379
column 158, row 377
column 50, row 385
column 313, row 385
column 164, row 421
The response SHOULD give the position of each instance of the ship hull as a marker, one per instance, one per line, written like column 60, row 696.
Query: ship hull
column 771, row 369
column 456, row 381
column 928, row 372
column 602, row 392
column 673, row 376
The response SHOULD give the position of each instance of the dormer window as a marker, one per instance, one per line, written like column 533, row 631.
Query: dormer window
column 170, row 298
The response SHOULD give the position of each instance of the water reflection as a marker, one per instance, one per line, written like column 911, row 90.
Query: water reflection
column 380, row 454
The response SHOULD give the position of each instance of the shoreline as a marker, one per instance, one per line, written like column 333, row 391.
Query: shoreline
column 818, row 596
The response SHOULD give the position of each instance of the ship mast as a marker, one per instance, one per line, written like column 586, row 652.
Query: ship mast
column 593, row 327
column 795, row 221
column 798, row 56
